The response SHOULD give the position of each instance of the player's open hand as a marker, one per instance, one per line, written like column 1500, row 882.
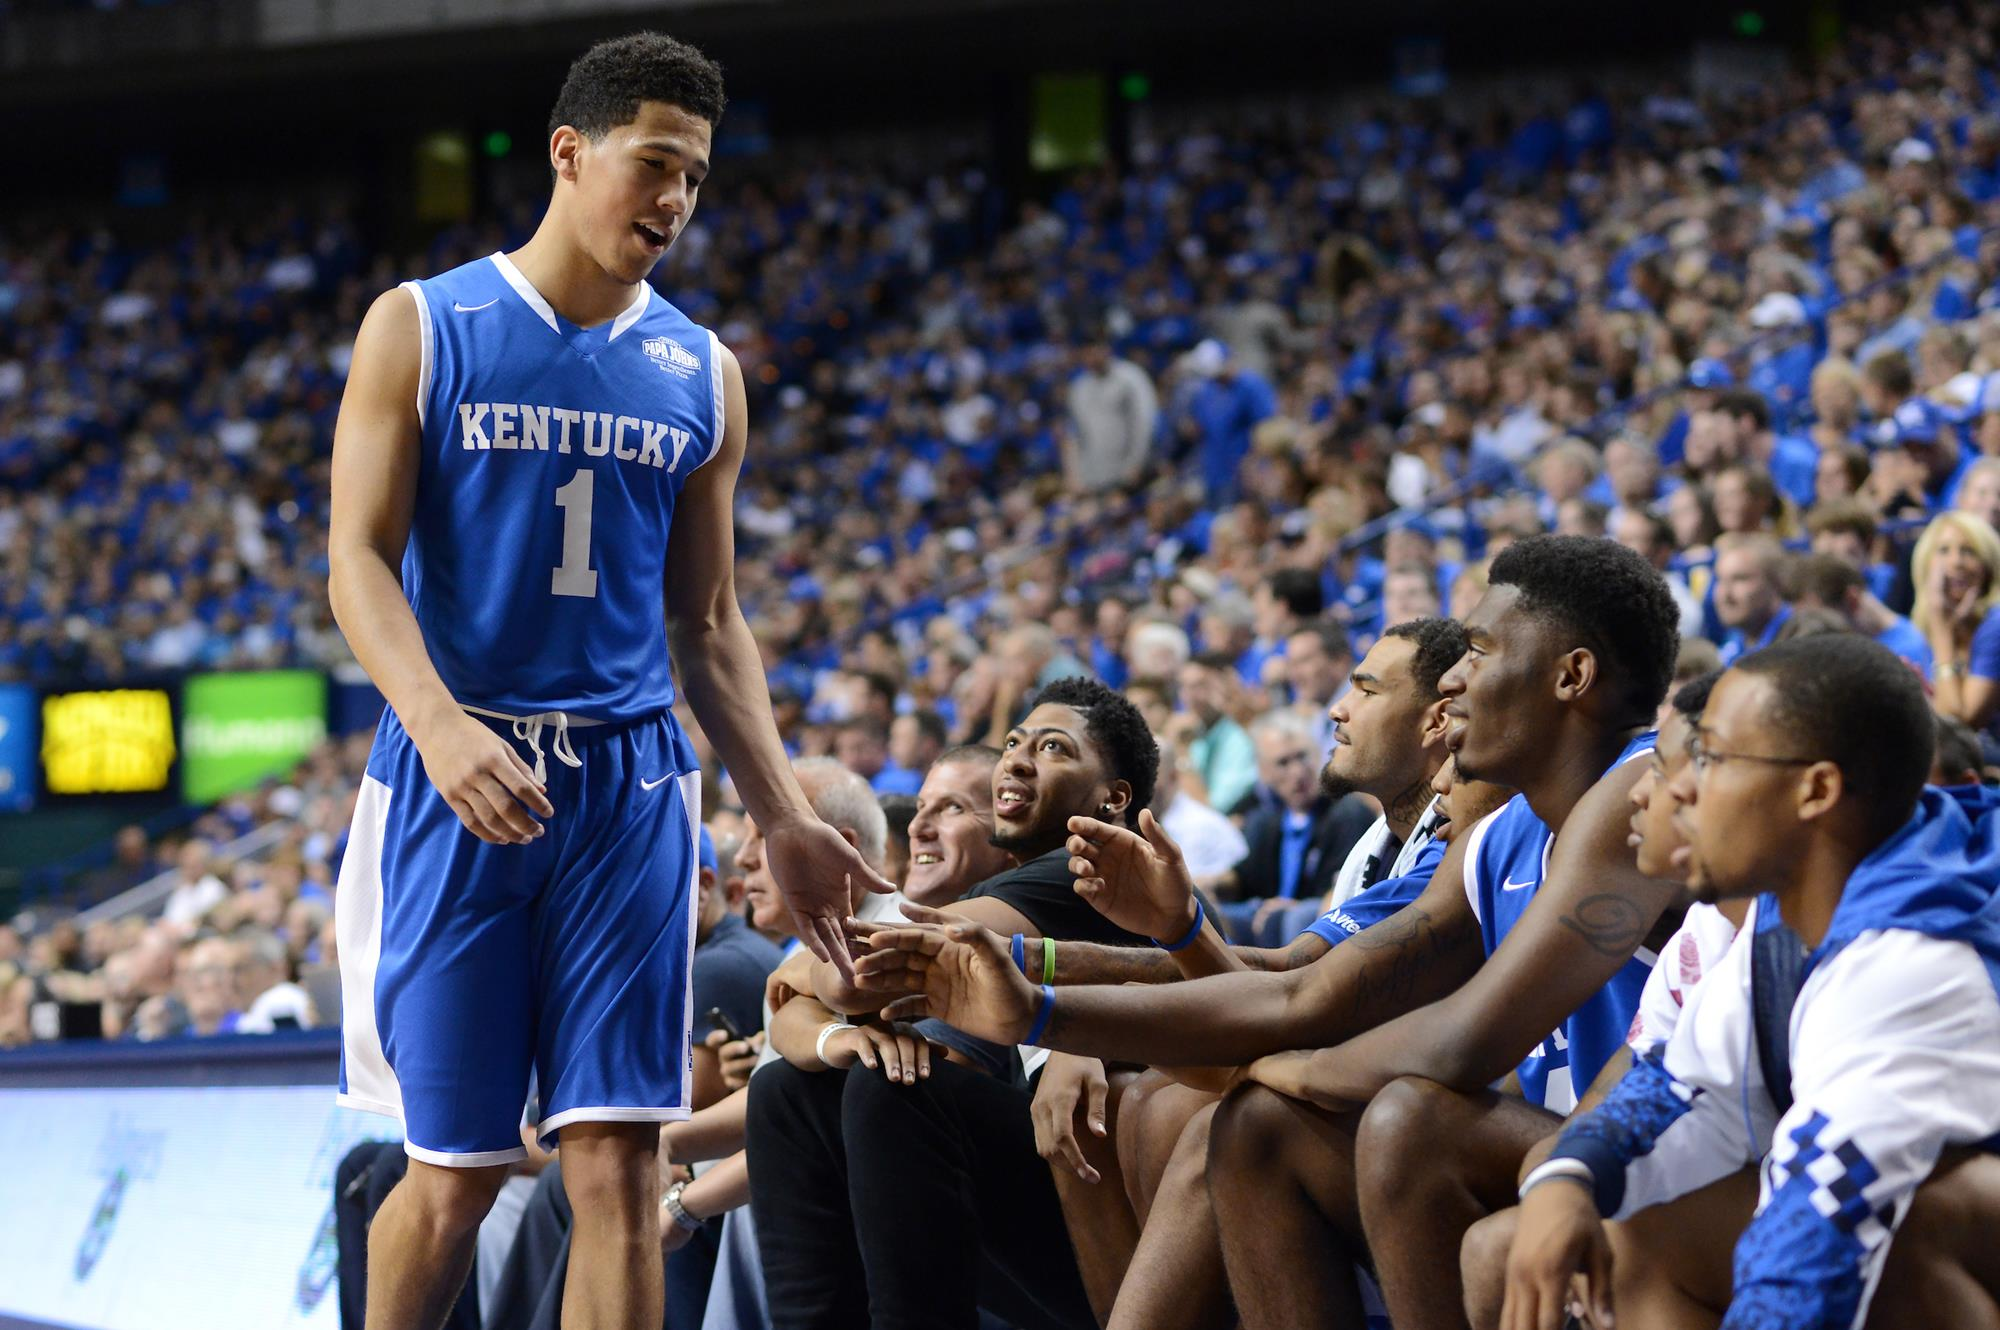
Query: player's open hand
column 949, row 968
column 1559, row 1241
column 485, row 782
column 817, row 870
column 1137, row 880
column 1073, row 1089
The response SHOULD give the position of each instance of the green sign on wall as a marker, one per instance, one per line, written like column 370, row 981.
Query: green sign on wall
column 237, row 729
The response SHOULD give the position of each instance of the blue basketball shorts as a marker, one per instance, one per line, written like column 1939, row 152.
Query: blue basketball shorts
column 468, row 968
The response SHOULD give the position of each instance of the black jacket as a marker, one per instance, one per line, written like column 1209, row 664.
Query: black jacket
column 1338, row 827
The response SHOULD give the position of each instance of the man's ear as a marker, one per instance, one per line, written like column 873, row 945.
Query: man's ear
column 1117, row 798
column 1435, row 725
column 565, row 145
column 1820, row 787
column 1576, row 673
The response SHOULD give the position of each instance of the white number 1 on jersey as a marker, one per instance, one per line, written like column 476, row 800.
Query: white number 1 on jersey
column 574, row 575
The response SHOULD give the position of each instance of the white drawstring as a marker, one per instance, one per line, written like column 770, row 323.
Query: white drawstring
column 529, row 730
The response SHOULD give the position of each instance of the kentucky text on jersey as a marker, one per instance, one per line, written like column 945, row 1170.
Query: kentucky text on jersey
column 531, row 427
column 566, row 448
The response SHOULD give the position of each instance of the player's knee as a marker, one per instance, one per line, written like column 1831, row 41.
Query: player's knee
column 610, row 1168
column 1246, row 1139
column 876, row 1113
column 1482, row 1261
column 1405, row 1131
column 451, row 1202
column 1962, row 1196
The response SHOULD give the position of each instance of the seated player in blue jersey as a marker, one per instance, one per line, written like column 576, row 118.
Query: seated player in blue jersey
column 1428, row 1139
column 1570, row 654
column 533, row 480
column 1848, row 1040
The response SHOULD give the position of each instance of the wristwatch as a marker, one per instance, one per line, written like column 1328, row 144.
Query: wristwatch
column 671, row 1203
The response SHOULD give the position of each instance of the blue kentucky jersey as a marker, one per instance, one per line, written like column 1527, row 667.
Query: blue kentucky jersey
column 1506, row 862
column 552, row 459
column 1367, row 908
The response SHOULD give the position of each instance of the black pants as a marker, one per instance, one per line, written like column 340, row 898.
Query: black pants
column 934, row 1190
column 361, row 1182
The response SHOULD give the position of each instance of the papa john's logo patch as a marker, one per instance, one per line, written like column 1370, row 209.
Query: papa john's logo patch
column 672, row 357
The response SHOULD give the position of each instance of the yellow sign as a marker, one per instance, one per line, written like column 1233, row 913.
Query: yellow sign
column 106, row 743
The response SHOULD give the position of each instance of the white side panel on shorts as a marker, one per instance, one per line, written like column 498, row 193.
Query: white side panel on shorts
column 357, row 923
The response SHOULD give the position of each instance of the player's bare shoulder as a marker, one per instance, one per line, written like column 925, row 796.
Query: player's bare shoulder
column 387, row 363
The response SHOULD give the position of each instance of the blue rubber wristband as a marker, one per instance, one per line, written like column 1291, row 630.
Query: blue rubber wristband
column 1187, row 941
column 1043, row 1010
column 1020, row 949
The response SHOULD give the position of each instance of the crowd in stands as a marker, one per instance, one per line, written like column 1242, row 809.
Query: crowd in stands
column 1123, row 460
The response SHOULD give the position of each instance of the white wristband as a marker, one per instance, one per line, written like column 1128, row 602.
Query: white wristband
column 827, row 1031
column 1574, row 1169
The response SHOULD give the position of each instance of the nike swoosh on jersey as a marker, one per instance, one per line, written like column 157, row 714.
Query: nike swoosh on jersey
column 654, row 784
column 1511, row 885
column 470, row 309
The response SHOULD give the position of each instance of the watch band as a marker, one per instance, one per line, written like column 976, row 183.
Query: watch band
column 677, row 1212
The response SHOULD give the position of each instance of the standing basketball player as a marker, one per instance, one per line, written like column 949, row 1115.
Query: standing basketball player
column 534, row 450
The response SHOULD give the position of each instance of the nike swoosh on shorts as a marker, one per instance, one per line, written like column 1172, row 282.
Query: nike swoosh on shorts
column 654, row 784
column 1511, row 885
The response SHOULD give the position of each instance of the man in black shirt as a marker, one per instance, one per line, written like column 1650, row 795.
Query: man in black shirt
column 951, row 1204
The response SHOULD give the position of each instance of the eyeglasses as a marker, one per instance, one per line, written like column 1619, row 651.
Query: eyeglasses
column 1703, row 757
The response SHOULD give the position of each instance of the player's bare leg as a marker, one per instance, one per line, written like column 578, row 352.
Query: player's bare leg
column 1482, row 1266
column 1157, row 1110
column 1944, row 1267
column 616, row 1279
column 1102, row 1229
column 1431, row 1163
column 1281, row 1174
column 1176, row 1278
column 421, row 1241
column 1672, row 1263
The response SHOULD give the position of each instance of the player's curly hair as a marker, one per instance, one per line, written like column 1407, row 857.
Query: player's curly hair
column 1120, row 732
column 1439, row 642
column 1614, row 602
column 606, row 84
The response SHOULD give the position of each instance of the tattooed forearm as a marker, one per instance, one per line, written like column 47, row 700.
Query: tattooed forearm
column 1608, row 923
column 1094, row 963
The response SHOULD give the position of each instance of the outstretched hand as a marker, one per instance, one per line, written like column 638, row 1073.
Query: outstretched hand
column 1137, row 880
column 816, row 869
column 946, row 967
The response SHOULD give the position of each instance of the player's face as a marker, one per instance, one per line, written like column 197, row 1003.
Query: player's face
column 1377, row 725
column 1735, row 812
column 637, row 186
column 1050, row 772
column 951, row 848
column 1465, row 801
column 1654, row 835
column 1497, row 696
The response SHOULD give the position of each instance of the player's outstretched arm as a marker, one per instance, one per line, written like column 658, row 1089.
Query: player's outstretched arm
column 1415, row 956
column 1593, row 911
column 723, row 676
column 376, row 447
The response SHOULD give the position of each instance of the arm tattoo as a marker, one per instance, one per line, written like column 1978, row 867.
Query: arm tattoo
column 1095, row 963
column 1401, row 948
column 1609, row 924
